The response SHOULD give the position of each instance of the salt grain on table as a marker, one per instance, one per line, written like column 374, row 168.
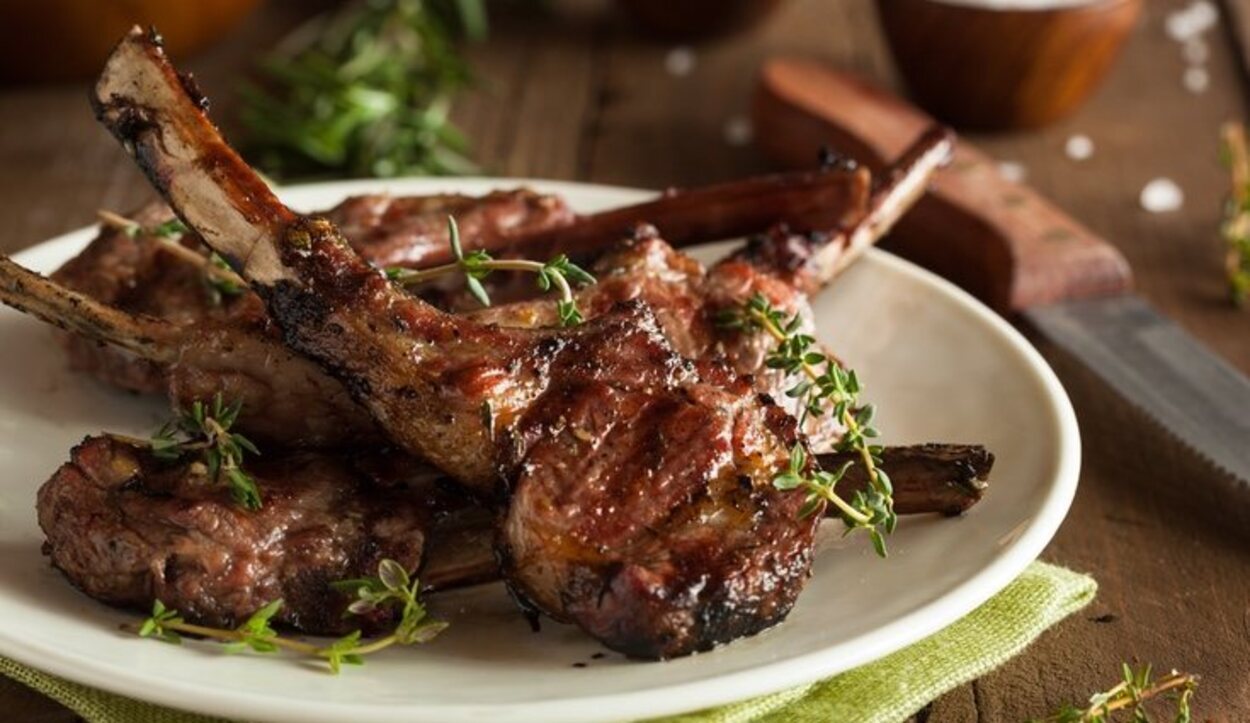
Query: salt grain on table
column 1079, row 147
column 1196, row 79
column 1162, row 195
column 679, row 61
column 738, row 131
column 1187, row 27
column 1012, row 171
column 1197, row 18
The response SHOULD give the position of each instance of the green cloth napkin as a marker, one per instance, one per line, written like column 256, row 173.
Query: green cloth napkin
column 899, row 684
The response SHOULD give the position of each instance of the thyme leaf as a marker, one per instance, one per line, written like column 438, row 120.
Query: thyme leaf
column 559, row 273
column 162, row 624
column 220, row 280
column 823, row 387
column 1130, row 696
column 204, row 430
column 392, row 588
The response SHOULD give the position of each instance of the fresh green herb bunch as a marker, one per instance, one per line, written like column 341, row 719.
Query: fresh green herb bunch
column 204, row 429
column 392, row 588
column 824, row 387
column 365, row 91
column 559, row 273
column 1236, row 226
column 1130, row 696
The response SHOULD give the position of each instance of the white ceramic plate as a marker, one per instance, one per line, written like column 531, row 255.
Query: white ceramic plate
column 939, row 365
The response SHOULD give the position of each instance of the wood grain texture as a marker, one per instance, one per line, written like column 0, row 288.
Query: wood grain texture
column 594, row 102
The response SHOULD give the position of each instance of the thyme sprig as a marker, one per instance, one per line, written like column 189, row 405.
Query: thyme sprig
column 1236, row 226
column 392, row 588
column 559, row 273
column 204, row 429
column 220, row 280
column 1130, row 695
column 824, row 386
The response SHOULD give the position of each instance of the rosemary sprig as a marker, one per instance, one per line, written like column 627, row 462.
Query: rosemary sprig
column 1130, row 695
column 824, row 386
column 220, row 280
column 365, row 91
column 559, row 273
column 392, row 588
column 1236, row 227
column 204, row 429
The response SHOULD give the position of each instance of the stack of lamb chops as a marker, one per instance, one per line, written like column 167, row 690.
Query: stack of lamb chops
column 147, row 321
column 629, row 465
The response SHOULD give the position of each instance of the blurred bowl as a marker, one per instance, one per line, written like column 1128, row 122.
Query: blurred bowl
column 698, row 19
column 1005, row 64
column 51, row 40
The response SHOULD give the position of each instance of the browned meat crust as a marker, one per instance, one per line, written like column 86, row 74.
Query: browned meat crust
column 127, row 528
column 687, row 300
column 285, row 398
column 412, row 230
column 136, row 274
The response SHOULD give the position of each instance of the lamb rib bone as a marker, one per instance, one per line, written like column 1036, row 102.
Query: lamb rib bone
column 285, row 398
column 38, row 296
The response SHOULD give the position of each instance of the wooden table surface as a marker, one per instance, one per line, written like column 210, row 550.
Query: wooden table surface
column 590, row 100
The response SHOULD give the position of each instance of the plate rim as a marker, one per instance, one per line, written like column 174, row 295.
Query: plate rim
column 670, row 699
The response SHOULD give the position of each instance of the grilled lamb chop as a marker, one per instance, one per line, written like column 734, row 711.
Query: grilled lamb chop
column 135, row 270
column 290, row 401
column 127, row 528
column 635, row 484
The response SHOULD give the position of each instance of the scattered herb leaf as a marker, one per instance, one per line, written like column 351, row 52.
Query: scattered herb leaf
column 392, row 588
column 220, row 280
column 824, row 386
column 1130, row 696
column 559, row 273
column 204, row 429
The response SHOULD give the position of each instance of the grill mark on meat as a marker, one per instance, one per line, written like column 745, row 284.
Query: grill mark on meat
column 127, row 528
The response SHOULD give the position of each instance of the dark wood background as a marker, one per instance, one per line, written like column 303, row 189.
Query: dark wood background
column 590, row 100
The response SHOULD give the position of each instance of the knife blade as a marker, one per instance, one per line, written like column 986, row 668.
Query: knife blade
column 1020, row 254
column 1157, row 366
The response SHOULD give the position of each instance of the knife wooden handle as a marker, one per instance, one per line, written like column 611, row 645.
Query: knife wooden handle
column 999, row 240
